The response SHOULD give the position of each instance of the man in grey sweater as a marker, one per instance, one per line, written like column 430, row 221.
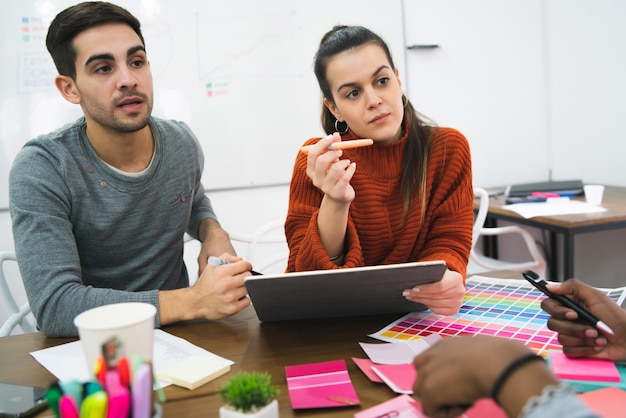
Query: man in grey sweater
column 99, row 207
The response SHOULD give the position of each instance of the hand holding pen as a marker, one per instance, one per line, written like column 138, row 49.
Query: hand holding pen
column 328, row 171
column 581, row 313
column 578, row 337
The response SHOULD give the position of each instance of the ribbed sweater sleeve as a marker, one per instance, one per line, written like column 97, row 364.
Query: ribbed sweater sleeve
column 376, row 232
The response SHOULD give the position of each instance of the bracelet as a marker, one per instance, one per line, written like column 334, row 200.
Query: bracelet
column 516, row 364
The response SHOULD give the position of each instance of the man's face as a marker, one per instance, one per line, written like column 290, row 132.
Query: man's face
column 113, row 78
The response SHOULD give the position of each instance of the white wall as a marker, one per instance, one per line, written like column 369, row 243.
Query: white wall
column 587, row 85
column 487, row 79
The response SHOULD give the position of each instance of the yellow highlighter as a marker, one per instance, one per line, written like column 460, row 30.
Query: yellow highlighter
column 94, row 405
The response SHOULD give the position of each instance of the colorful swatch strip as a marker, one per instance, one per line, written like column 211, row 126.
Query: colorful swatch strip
column 503, row 308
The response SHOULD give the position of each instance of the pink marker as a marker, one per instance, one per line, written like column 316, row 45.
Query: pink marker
column 67, row 407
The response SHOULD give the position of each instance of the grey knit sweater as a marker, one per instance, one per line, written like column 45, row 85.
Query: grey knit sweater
column 86, row 235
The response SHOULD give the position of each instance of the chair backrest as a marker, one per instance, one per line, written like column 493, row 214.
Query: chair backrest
column 481, row 214
column 479, row 258
column 19, row 314
column 266, row 246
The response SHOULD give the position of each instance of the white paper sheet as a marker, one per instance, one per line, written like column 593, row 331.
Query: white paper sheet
column 67, row 361
column 398, row 352
column 553, row 207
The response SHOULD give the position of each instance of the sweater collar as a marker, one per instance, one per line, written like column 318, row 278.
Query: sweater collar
column 380, row 160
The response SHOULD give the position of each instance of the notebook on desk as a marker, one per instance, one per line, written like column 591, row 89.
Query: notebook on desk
column 566, row 187
column 356, row 291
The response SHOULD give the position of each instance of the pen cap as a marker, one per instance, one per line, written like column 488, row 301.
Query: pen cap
column 131, row 325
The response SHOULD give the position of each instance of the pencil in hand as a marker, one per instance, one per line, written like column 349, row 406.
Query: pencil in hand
column 355, row 143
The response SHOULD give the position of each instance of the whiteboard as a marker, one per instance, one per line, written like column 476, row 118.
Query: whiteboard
column 239, row 72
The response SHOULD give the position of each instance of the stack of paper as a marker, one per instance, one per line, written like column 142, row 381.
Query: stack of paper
column 193, row 372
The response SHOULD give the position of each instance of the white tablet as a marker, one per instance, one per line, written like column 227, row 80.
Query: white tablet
column 355, row 291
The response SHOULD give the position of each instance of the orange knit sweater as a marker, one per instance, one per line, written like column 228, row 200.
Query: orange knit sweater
column 375, row 234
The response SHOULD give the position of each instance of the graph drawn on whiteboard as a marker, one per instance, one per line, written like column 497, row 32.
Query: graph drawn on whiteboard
column 251, row 61
column 254, row 47
column 254, row 53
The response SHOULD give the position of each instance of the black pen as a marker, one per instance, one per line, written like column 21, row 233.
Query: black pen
column 583, row 314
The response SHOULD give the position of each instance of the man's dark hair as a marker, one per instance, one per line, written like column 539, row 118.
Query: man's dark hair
column 75, row 19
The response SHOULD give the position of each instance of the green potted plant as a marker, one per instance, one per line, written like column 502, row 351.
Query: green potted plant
column 249, row 395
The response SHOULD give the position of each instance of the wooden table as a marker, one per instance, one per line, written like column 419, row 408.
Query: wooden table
column 252, row 345
column 568, row 226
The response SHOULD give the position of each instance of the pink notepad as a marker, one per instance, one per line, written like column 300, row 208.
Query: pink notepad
column 402, row 405
column 406, row 407
column 366, row 367
column 399, row 377
column 564, row 367
column 607, row 402
column 320, row 385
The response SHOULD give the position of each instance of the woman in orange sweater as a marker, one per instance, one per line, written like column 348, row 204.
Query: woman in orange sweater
column 409, row 197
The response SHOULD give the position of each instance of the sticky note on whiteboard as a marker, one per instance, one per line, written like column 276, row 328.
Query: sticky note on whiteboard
column 596, row 370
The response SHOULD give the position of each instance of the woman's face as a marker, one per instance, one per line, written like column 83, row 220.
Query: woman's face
column 367, row 93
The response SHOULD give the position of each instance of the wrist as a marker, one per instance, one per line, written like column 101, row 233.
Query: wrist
column 177, row 305
column 523, row 378
column 510, row 370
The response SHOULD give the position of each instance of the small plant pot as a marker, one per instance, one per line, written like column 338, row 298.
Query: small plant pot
column 268, row 411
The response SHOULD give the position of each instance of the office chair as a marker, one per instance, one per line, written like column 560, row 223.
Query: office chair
column 537, row 263
column 19, row 314
column 266, row 247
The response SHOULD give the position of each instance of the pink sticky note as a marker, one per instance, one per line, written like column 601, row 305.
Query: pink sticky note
column 366, row 367
column 399, row 377
column 607, row 402
column 405, row 406
column 402, row 405
column 583, row 368
column 320, row 385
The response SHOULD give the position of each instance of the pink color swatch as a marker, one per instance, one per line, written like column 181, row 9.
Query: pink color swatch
column 320, row 385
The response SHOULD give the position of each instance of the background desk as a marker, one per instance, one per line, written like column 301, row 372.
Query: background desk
column 252, row 345
column 568, row 226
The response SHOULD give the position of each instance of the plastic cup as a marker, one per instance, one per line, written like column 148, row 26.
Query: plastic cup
column 593, row 194
column 130, row 325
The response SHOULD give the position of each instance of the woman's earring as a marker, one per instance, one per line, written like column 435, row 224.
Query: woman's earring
column 345, row 131
column 405, row 100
